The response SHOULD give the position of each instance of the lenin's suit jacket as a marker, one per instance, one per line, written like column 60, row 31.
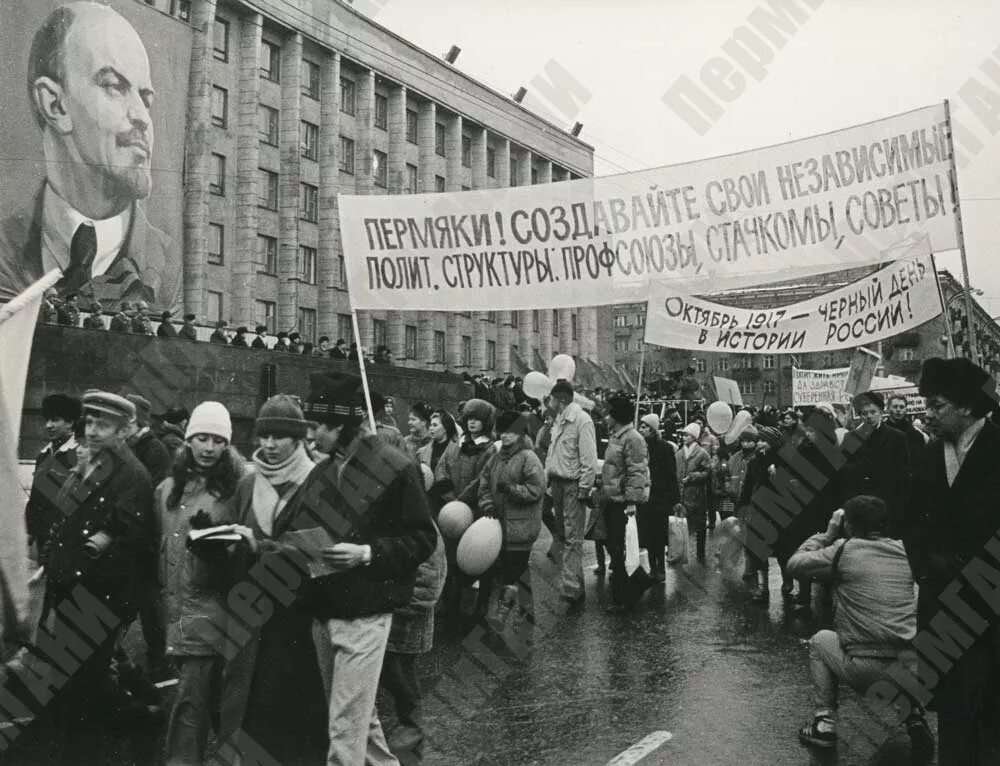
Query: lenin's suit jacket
column 148, row 266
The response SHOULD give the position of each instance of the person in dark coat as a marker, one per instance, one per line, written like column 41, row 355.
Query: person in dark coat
column 122, row 321
column 49, row 311
column 96, row 319
column 879, row 460
column 52, row 466
column 653, row 517
column 386, row 532
column 950, row 537
column 188, row 331
column 166, row 328
column 240, row 341
column 760, row 470
column 92, row 565
column 260, row 341
column 172, row 428
column 156, row 459
column 140, row 322
column 915, row 442
column 294, row 343
column 219, row 335
column 281, row 344
column 339, row 350
column 68, row 312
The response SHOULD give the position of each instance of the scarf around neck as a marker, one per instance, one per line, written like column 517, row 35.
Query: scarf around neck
column 288, row 476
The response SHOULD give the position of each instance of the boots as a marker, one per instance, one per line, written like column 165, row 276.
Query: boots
column 761, row 593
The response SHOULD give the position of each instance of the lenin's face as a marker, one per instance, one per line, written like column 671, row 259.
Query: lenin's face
column 107, row 100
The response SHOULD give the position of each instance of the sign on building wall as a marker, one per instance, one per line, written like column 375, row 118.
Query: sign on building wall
column 96, row 136
column 811, row 206
column 896, row 298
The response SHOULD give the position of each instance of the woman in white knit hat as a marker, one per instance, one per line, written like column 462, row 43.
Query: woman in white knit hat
column 196, row 579
column 693, row 469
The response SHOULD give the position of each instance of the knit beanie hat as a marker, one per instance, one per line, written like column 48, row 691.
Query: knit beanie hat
column 562, row 390
column 652, row 420
column 210, row 418
column 621, row 409
column 694, row 429
column 478, row 409
column 280, row 416
column 769, row 435
column 749, row 434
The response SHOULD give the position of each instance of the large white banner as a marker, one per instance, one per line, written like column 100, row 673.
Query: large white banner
column 815, row 386
column 806, row 207
column 893, row 299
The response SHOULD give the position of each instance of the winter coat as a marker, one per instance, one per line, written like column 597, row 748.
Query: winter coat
column 375, row 497
column 625, row 476
column 817, row 495
column 413, row 444
column 52, row 467
column 696, row 469
column 413, row 624
column 736, row 471
column 430, row 454
column 195, row 581
column 879, row 467
column 153, row 454
column 121, row 323
column 166, row 329
column 518, row 506
column 391, row 436
column 664, row 493
column 459, row 468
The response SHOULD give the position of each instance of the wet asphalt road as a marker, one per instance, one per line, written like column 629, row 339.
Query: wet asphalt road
column 727, row 678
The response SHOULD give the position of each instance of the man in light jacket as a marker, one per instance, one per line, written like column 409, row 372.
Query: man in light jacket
column 571, row 466
column 875, row 618
column 625, row 480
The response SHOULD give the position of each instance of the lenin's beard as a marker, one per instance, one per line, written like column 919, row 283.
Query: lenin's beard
column 128, row 183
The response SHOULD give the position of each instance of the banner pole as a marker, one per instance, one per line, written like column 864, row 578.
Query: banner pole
column 364, row 373
column 969, row 308
column 944, row 311
column 638, row 385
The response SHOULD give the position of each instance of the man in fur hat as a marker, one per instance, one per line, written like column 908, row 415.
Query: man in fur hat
column 52, row 466
column 951, row 539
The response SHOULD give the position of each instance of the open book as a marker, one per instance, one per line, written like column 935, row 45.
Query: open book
column 311, row 542
column 223, row 533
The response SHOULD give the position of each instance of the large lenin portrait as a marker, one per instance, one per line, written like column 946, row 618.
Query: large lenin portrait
column 92, row 136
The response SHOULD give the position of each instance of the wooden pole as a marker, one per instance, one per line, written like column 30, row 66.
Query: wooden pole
column 638, row 384
column 364, row 374
column 969, row 307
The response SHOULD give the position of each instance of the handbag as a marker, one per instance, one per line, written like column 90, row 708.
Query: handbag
column 677, row 540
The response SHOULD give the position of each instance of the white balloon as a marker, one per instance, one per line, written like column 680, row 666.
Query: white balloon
column 537, row 385
column 455, row 517
column 740, row 422
column 719, row 416
column 479, row 546
column 562, row 366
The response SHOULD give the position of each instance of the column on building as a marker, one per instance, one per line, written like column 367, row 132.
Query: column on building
column 565, row 319
column 587, row 320
column 505, row 333
column 547, row 325
column 426, row 120
column 198, row 154
column 364, row 122
column 527, row 337
column 329, row 184
column 288, row 185
column 453, row 153
column 480, row 319
column 396, row 171
column 247, row 169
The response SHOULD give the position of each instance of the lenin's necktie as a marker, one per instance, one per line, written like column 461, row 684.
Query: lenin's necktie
column 82, row 251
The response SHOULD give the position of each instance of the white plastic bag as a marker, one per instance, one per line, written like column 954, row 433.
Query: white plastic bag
column 631, row 546
column 677, row 540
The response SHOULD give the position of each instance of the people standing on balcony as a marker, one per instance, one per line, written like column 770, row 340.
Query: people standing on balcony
column 68, row 312
column 95, row 321
column 166, row 328
column 140, row 322
column 339, row 350
column 240, row 340
column 219, row 335
column 282, row 345
column 122, row 321
column 188, row 330
column 260, row 339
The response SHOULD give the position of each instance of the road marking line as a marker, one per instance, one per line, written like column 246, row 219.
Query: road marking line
column 641, row 749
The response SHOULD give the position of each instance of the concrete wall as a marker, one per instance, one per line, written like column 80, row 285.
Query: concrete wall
column 179, row 372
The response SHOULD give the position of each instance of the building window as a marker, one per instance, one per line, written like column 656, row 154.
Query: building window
column 555, row 322
column 411, row 178
column 438, row 346
column 535, row 320
column 213, row 311
column 439, row 139
column 216, row 243
column 411, row 126
column 747, row 362
column 220, row 106
column 346, row 155
column 220, row 42
column 306, row 266
column 768, row 386
column 515, row 319
column 621, row 320
column 308, row 202
column 310, row 79
column 378, row 326
column 267, row 124
column 347, row 99
column 381, row 112
column 309, row 138
column 341, row 272
column 491, row 316
column 722, row 365
column 640, row 319
column 466, row 152
column 266, row 257
column 534, row 176
column 621, row 346
column 907, row 354
column 574, row 323
column 345, row 329
column 749, row 387
column 307, row 325
column 491, row 355
column 217, row 175
column 270, row 61
column 267, row 197
column 410, row 341
column 439, row 183
column 466, row 351
column 513, row 171
column 769, row 362
column 265, row 313
column 380, row 169
column 491, row 162
column 699, row 365
column 183, row 9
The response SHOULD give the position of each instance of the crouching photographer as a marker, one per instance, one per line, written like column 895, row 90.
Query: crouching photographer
column 875, row 614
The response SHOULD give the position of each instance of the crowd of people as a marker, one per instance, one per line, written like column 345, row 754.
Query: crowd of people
column 284, row 590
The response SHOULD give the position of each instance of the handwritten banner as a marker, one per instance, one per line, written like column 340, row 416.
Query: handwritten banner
column 815, row 386
column 893, row 299
column 810, row 206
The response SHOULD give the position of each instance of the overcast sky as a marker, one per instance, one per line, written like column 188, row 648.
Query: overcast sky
column 852, row 61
